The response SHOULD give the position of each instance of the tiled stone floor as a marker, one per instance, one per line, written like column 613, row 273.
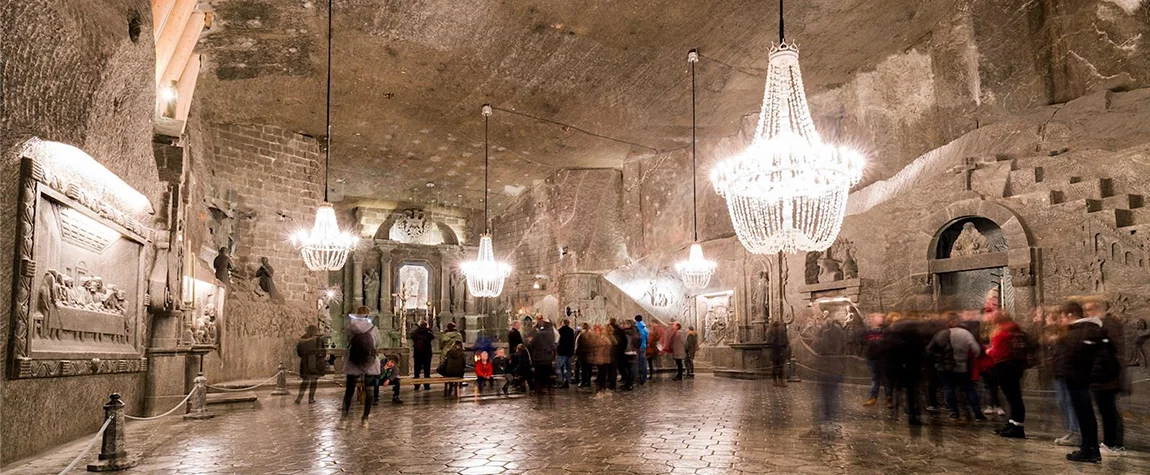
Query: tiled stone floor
column 702, row 426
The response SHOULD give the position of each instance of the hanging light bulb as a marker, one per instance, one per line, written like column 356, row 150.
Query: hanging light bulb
column 788, row 191
column 696, row 271
column 485, row 275
column 325, row 247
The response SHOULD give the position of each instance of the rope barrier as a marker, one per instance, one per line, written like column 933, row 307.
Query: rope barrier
column 831, row 374
column 181, row 404
column 87, row 447
column 249, row 388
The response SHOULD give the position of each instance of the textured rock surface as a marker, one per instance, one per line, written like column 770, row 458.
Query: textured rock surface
column 70, row 74
column 598, row 84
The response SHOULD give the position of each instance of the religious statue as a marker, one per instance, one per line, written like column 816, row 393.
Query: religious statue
column 223, row 266
column 267, row 285
column 850, row 267
column 371, row 289
column 457, row 298
column 829, row 269
column 970, row 242
column 760, row 298
column 46, row 306
column 323, row 316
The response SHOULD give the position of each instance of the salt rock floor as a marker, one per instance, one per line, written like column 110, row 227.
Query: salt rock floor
column 702, row 426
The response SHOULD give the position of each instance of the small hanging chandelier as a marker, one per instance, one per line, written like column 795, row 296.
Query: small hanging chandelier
column 696, row 271
column 326, row 246
column 485, row 275
column 788, row 191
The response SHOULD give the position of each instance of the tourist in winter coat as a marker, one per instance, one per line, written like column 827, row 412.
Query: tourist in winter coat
column 692, row 350
column 1106, row 393
column 600, row 356
column 563, row 354
column 361, row 361
column 641, row 354
column 778, row 344
column 1009, row 368
column 454, row 365
column 312, row 364
column 484, row 371
column 521, row 367
column 869, row 339
column 678, row 349
column 952, row 350
column 583, row 347
column 619, row 354
column 501, row 365
column 542, row 345
column 654, row 335
column 904, row 344
column 1088, row 360
column 449, row 338
column 421, row 350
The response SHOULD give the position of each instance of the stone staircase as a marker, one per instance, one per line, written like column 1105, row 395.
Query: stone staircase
column 1096, row 197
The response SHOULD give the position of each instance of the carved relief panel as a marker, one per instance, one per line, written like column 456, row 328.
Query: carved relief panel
column 79, row 304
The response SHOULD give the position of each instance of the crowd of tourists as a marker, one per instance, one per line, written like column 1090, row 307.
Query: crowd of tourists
column 918, row 357
column 911, row 358
column 616, row 356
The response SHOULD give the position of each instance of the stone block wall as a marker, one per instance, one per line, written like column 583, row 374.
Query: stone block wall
column 71, row 74
column 275, row 178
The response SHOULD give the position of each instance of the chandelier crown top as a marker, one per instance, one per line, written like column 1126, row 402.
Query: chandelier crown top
column 783, row 46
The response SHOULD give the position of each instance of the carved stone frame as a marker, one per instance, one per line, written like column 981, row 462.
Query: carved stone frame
column 1020, row 258
column 36, row 180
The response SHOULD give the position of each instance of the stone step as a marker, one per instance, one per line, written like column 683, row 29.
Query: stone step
column 1079, row 188
column 232, row 401
column 1123, row 201
column 1024, row 181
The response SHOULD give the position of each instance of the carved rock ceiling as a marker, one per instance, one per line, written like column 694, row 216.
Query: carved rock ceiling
column 597, row 82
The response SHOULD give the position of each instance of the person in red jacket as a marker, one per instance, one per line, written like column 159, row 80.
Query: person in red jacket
column 483, row 371
column 1009, row 369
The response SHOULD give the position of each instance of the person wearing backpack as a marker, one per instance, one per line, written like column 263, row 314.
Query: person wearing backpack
column 1088, row 360
column 1008, row 351
column 953, row 350
column 1106, row 392
column 361, row 361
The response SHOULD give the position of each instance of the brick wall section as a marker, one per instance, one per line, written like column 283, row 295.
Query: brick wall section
column 276, row 177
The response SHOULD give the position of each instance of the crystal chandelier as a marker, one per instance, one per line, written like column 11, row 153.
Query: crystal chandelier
column 485, row 275
column 788, row 191
column 696, row 271
column 325, row 247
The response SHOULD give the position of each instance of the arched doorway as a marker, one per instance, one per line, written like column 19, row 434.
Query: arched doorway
column 975, row 252
column 978, row 248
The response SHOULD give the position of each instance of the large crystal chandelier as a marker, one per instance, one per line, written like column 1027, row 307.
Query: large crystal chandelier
column 485, row 275
column 696, row 271
column 326, row 246
column 788, row 191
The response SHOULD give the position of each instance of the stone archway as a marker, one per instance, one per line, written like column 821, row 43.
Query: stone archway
column 979, row 239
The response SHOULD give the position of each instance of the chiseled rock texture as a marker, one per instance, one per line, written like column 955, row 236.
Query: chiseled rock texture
column 71, row 74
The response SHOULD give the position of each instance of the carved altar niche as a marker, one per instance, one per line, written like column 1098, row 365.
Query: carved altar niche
column 832, row 273
column 716, row 315
column 79, row 302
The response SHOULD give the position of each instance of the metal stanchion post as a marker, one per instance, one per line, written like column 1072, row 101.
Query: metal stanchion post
column 794, row 377
column 198, row 404
column 281, row 382
column 113, row 450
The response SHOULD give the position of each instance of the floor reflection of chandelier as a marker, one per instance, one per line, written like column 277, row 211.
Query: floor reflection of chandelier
column 325, row 247
column 485, row 275
column 696, row 271
column 788, row 191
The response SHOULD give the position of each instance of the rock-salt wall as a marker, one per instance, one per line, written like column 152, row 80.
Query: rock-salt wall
column 71, row 74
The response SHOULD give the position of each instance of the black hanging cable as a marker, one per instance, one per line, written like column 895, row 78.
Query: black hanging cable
column 781, row 38
column 327, row 137
column 486, row 171
column 693, row 57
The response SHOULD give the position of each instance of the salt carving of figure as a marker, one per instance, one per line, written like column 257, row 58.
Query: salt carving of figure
column 46, row 306
column 223, row 265
column 969, row 242
column 371, row 289
column 99, row 294
column 265, row 274
column 759, row 300
column 114, row 302
column 74, row 295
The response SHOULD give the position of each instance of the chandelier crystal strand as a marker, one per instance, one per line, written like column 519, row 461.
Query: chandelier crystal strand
column 326, row 246
column 788, row 191
column 485, row 275
column 696, row 271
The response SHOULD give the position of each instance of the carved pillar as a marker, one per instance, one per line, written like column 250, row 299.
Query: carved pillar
column 355, row 266
column 386, row 279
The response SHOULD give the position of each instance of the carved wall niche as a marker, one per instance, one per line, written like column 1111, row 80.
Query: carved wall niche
column 717, row 317
column 80, row 287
